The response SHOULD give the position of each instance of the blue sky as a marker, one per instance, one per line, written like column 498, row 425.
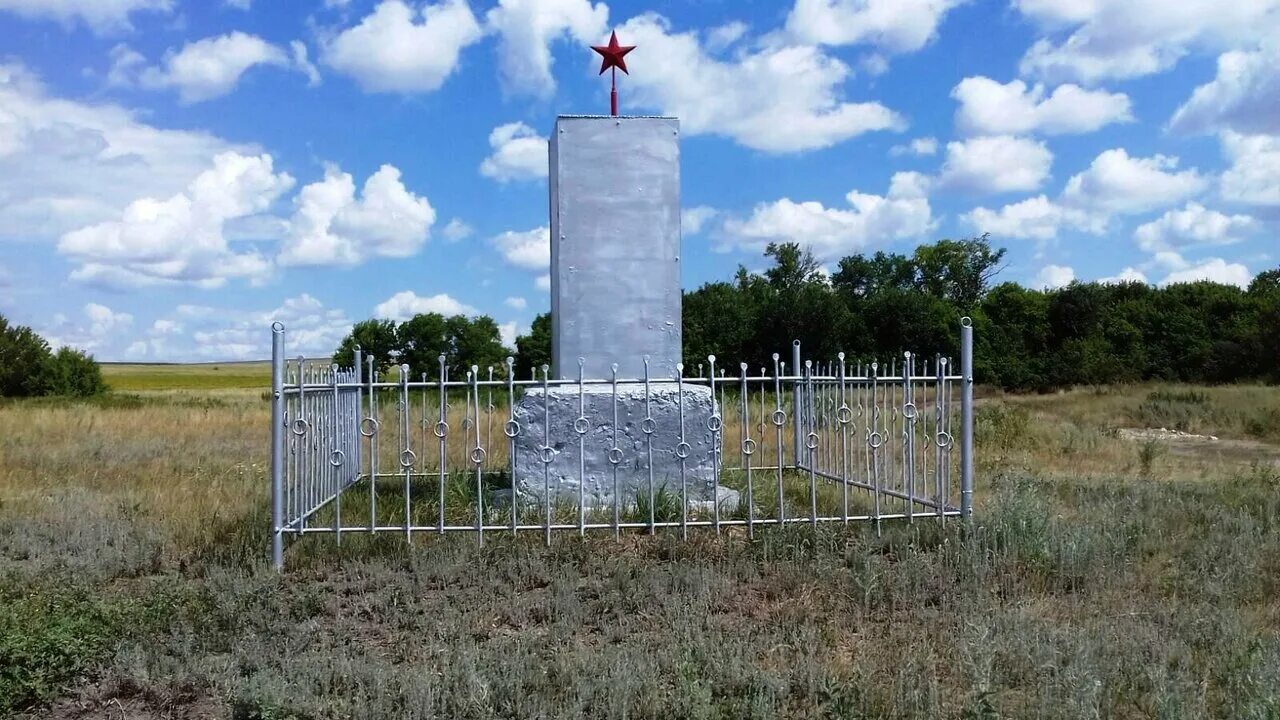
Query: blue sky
column 175, row 175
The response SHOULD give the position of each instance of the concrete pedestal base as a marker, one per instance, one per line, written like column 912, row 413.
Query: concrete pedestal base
column 587, row 459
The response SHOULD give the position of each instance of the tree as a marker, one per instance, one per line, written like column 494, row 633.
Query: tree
column 957, row 270
column 376, row 338
column 475, row 342
column 28, row 367
column 74, row 373
column 534, row 349
column 421, row 340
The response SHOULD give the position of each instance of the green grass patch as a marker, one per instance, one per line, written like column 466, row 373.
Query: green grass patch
column 127, row 377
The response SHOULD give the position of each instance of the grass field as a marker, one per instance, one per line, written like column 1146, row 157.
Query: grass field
column 1102, row 577
column 132, row 377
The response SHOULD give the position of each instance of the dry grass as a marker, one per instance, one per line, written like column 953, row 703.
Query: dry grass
column 1094, row 584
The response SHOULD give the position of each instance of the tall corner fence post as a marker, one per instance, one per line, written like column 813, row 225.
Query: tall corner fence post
column 357, row 366
column 795, row 403
column 966, row 417
column 277, row 445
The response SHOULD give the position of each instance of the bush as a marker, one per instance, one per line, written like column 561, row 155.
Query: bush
column 29, row 368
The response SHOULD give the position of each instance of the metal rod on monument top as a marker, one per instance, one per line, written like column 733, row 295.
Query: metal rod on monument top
column 612, row 57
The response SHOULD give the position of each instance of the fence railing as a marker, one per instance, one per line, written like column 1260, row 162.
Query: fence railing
column 792, row 443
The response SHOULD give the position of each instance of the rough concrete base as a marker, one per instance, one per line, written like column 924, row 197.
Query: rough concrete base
column 585, row 459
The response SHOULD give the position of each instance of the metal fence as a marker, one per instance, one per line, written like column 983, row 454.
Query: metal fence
column 354, row 451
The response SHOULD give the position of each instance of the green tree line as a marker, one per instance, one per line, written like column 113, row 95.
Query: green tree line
column 876, row 306
column 29, row 368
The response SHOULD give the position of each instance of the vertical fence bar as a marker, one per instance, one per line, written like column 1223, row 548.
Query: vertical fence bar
column 715, row 423
column 966, row 417
column 511, row 429
column 277, row 445
column 795, row 403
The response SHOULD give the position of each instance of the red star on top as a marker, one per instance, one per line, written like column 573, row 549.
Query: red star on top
column 613, row 53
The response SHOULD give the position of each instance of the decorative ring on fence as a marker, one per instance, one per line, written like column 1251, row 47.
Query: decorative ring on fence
column 779, row 418
column 875, row 440
column 944, row 439
column 648, row 425
column 337, row 457
column 478, row 455
column 407, row 459
column 300, row 427
column 546, row 454
column 682, row 450
column 844, row 415
column 511, row 429
column 615, row 454
column 581, row 425
column 909, row 411
column 714, row 423
column 467, row 424
column 748, row 447
column 442, row 429
column 372, row 426
column 811, row 441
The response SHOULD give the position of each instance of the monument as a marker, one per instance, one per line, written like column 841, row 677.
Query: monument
column 614, row 186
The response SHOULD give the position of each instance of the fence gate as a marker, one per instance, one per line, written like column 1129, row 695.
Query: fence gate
column 795, row 441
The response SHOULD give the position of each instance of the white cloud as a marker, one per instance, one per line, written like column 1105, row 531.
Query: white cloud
column 519, row 153
column 922, row 146
column 516, row 303
column 901, row 213
column 1192, row 225
column 181, row 239
column 1129, row 274
column 1254, row 175
column 508, row 332
column 1118, row 183
column 201, row 70
column 1052, row 277
column 896, row 26
column 1213, row 269
column 66, row 164
column 456, row 230
column 391, row 51
column 543, row 282
column 311, row 330
column 1036, row 218
column 990, row 108
column 776, row 98
column 694, row 219
column 1100, row 39
column 404, row 305
column 303, row 63
column 995, row 164
column 330, row 226
column 529, row 249
column 527, row 28
column 1244, row 96
column 101, row 329
column 101, row 16
column 721, row 37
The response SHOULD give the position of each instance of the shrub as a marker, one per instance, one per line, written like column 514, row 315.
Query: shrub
column 29, row 368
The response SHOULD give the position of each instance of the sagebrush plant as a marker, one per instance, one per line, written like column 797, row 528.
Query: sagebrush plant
column 134, row 580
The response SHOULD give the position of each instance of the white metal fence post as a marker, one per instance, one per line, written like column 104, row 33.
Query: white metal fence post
column 966, row 417
column 277, row 445
column 795, row 403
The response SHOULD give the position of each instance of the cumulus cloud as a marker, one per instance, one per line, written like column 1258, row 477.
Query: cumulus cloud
column 1244, row 96
column 518, row 153
column 100, row 16
column 542, row 282
column 1052, row 277
column 98, row 329
column 331, row 226
column 181, row 239
column 397, row 48
column 903, row 212
column 1129, row 274
column 456, row 230
column 1115, row 182
column 793, row 101
column 922, row 146
column 694, row 219
column 528, row 249
column 991, row 108
column 995, row 164
column 526, row 31
column 201, row 70
column 516, row 303
column 1092, row 41
column 66, row 164
column 1036, row 218
column 1192, row 225
column 404, row 305
column 1254, row 175
column 894, row 26
column 1212, row 269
